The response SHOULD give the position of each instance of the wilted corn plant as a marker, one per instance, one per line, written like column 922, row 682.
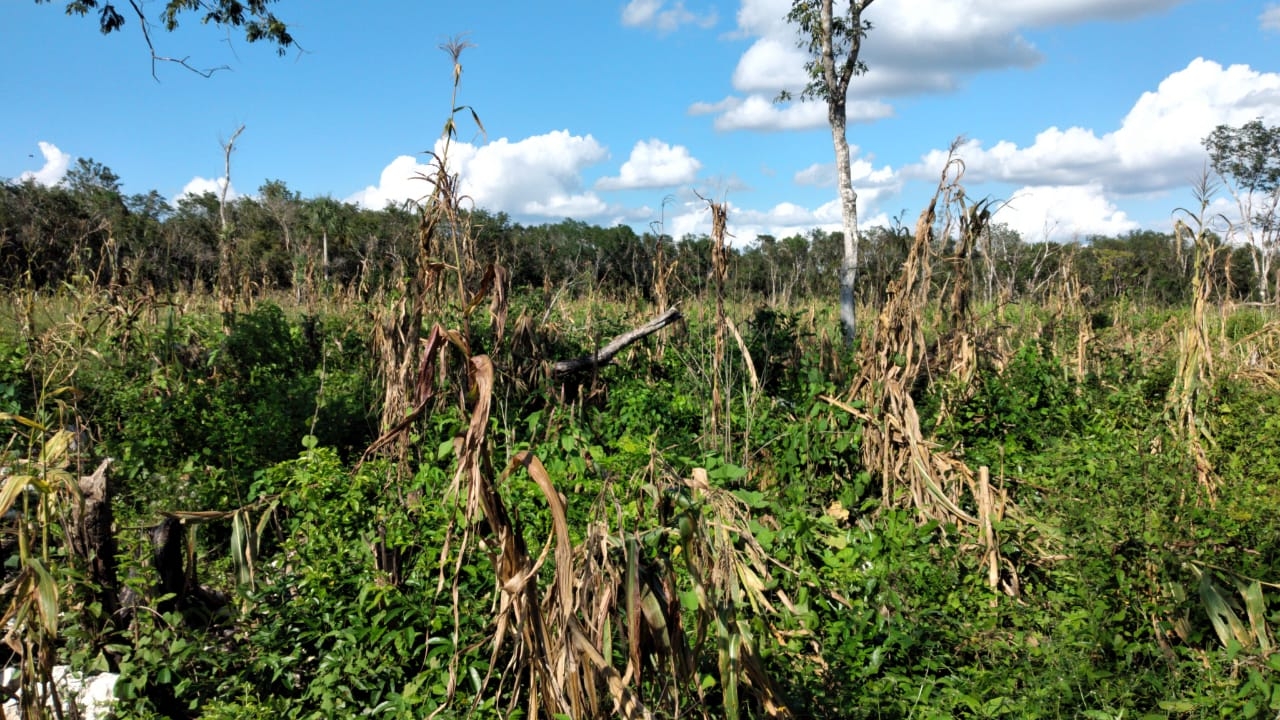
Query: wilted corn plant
column 1195, row 357
column 35, row 478
column 956, row 357
column 442, row 228
column 914, row 472
column 59, row 559
column 720, row 425
column 577, row 628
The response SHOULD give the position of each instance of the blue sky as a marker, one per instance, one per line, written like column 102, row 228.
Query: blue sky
column 1086, row 115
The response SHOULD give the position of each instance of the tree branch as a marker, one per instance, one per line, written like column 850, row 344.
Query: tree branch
column 606, row 354
column 146, row 34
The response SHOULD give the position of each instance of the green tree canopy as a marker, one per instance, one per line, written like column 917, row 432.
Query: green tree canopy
column 1248, row 155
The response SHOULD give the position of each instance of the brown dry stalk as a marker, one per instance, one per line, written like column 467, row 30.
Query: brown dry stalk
column 1195, row 356
column 957, row 357
column 1257, row 356
column 719, row 272
column 989, row 512
column 914, row 472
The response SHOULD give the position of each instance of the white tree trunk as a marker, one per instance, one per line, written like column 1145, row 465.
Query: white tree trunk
column 325, row 258
column 849, row 215
column 1264, row 275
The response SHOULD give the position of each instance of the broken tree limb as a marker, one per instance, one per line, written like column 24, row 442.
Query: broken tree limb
column 605, row 355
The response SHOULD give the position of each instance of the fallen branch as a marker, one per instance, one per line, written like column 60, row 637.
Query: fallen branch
column 605, row 355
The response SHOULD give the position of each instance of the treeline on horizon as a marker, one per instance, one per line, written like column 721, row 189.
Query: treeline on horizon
column 86, row 228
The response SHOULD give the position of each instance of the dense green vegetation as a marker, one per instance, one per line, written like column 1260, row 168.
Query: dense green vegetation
column 281, row 457
column 1120, row 555
column 346, row 476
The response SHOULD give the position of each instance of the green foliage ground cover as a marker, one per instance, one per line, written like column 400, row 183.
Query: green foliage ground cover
column 1119, row 555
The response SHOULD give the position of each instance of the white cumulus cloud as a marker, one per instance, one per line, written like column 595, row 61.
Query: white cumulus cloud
column 1063, row 213
column 54, row 169
column 1157, row 146
column 400, row 181
column 199, row 186
column 782, row 220
column 655, row 14
column 863, row 172
column 654, row 164
column 537, row 176
column 963, row 37
column 757, row 112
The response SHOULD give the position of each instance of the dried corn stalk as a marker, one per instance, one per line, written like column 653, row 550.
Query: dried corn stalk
column 1195, row 357
column 579, row 625
column 914, row 472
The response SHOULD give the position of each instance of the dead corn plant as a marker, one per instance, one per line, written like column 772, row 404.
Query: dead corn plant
column 1195, row 371
column 576, row 628
column 596, row 629
column 1066, row 305
column 956, row 355
column 720, row 424
column 914, row 471
column 662, row 271
column 445, row 244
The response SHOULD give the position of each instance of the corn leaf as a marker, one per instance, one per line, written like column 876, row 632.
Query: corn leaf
column 1218, row 605
column 22, row 421
column 13, row 487
column 55, row 453
column 46, row 591
column 1255, row 606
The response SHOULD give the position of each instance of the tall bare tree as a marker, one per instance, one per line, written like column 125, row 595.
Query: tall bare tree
column 834, row 43
column 227, row 242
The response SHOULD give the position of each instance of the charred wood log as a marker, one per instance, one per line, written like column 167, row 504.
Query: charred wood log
column 92, row 540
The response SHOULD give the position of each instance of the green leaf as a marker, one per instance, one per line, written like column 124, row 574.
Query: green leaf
column 1256, row 608
column 1218, row 606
